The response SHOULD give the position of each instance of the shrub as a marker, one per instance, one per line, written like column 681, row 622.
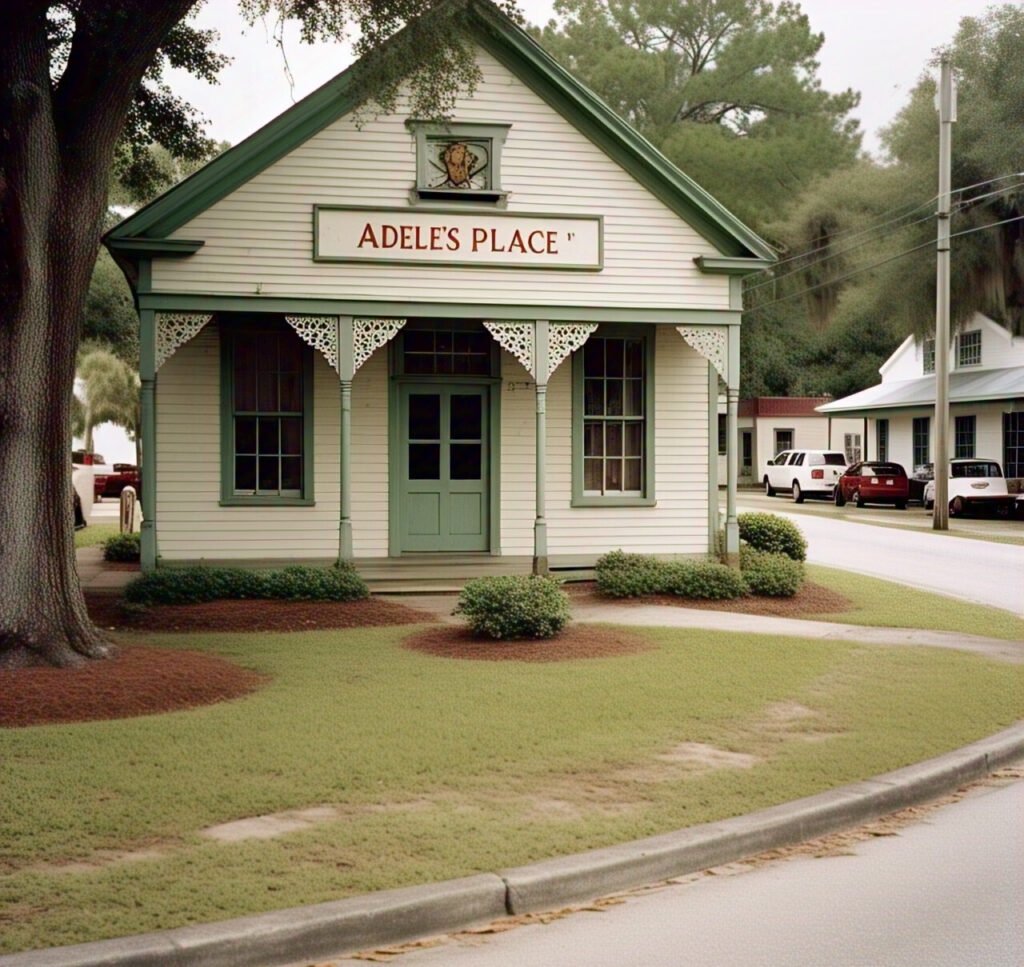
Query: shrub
column 514, row 607
column 191, row 585
column 704, row 581
column 121, row 547
column 622, row 575
column 776, row 535
column 771, row 575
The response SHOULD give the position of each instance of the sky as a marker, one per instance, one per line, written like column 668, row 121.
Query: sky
column 877, row 47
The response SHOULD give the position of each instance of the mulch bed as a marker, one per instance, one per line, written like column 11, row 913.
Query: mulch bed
column 576, row 641
column 810, row 599
column 251, row 615
column 138, row 680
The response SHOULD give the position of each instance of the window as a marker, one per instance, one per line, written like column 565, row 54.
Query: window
column 746, row 452
column 723, row 434
column 613, row 426
column 443, row 348
column 928, row 355
column 963, row 437
column 920, row 434
column 458, row 162
column 1013, row 444
column 969, row 351
column 851, row 447
column 266, row 415
column 783, row 441
column 882, row 439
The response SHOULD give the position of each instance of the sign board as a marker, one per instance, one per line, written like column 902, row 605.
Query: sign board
column 435, row 237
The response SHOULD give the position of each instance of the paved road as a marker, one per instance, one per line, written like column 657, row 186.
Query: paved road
column 982, row 571
column 945, row 892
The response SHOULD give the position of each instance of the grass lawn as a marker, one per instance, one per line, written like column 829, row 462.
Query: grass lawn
column 889, row 605
column 95, row 534
column 437, row 768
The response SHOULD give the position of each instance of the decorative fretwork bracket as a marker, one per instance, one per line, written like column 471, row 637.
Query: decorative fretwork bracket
column 174, row 329
column 368, row 335
column 711, row 342
column 516, row 338
column 320, row 332
column 564, row 338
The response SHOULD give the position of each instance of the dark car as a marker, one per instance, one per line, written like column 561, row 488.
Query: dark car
column 922, row 474
column 873, row 482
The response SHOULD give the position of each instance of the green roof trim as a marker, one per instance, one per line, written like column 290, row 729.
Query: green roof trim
column 517, row 51
column 731, row 266
column 168, row 248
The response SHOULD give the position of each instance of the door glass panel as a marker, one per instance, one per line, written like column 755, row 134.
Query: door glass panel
column 466, row 417
column 424, row 461
column 464, row 461
column 425, row 417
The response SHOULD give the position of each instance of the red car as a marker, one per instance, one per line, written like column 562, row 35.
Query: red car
column 873, row 482
column 111, row 484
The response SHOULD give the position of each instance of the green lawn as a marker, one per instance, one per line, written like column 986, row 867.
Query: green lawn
column 440, row 768
column 95, row 534
column 889, row 605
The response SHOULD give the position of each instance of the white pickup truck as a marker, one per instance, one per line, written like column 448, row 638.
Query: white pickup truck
column 974, row 485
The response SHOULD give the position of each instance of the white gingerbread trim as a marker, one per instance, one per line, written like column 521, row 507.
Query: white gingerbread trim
column 174, row 329
column 564, row 338
column 516, row 338
column 368, row 335
column 320, row 332
column 711, row 343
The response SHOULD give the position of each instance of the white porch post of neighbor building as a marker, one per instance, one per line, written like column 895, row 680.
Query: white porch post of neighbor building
column 732, row 527
column 540, row 525
column 147, row 406
column 346, row 372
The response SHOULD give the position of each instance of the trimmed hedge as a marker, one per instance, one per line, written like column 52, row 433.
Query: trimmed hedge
column 121, row 547
column 773, row 534
column 771, row 575
column 192, row 585
column 514, row 607
column 621, row 575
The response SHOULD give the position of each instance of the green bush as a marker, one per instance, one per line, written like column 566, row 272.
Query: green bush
column 514, row 607
column 776, row 535
column 621, row 575
column 121, row 547
column 191, row 585
column 771, row 575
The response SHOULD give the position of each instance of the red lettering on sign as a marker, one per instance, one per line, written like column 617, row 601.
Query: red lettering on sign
column 552, row 250
column 388, row 236
column 479, row 237
column 367, row 238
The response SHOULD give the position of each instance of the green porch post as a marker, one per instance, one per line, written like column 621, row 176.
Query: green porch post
column 147, row 376
column 346, row 370
column 540, row 525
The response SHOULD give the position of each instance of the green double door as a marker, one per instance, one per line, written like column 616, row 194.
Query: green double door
column 444, row 486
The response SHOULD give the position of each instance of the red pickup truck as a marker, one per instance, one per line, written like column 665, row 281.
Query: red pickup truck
column 111, row 484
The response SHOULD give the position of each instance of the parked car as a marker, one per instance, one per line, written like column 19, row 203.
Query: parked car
column 803, row 473
column 974, row 485
column 922, row 474
column 120, row 476
column 874, row 482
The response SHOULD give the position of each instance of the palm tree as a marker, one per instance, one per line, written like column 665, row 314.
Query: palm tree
column 110, row 389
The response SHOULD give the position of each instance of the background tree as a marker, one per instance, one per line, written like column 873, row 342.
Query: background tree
column 110, row 394
column 82, row 95
column 727, row 89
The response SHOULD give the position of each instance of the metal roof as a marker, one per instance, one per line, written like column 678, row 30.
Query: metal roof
column 971, row 387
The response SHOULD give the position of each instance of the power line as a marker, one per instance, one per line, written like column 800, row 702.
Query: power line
column 881, row 262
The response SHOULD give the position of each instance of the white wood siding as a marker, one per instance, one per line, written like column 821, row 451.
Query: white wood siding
column 259, row 239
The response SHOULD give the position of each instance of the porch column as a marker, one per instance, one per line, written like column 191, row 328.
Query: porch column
column 540, row 526
column 147, row 374
column 346, row 372
column 732, row 527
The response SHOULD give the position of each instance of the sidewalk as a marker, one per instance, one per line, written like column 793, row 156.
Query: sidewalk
column 97, row 576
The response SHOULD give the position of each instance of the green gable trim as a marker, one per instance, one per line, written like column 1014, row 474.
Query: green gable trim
column 514, row 48
column 168, row 248
column 730, row 266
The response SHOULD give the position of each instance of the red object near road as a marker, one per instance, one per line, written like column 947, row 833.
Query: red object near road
column 111, row 484
column 874, row 482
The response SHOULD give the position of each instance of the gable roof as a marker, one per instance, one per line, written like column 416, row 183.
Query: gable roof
column 146, row 232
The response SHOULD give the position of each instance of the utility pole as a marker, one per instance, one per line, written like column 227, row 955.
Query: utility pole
column 946, row 103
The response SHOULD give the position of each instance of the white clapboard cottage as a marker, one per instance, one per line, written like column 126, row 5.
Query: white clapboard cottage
column 494, row 343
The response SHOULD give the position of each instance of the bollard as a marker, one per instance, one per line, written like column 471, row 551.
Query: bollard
column 128, row 510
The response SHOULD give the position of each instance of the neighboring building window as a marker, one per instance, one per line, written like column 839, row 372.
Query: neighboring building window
column 928, row 355
column 964, row 437
column 458, row 162
column 852, row 448
column 969, row 351
column 266, row 415
column 1013, row 444
column 723, row 434
column 882, row 439
column 920, row 433
column 746, row 452
column 613, row 403
column 783, row 440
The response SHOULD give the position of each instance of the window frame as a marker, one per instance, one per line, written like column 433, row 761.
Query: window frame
column 926, row 423
column 775, row 440
column 974, row 346
column 965, row 437
column 882, row 439
column 723, row 434
column 647, row 498
column 424, row 132
column 228, row 331
column 853, row 447
column 928, row 355
column 1013, row 444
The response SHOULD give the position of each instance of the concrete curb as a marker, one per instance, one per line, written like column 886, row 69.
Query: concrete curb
column 393, row 916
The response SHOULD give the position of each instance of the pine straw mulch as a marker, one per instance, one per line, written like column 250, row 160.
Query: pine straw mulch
column 576, row 641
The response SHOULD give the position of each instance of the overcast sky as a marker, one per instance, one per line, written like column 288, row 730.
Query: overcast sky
column 877, row 47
